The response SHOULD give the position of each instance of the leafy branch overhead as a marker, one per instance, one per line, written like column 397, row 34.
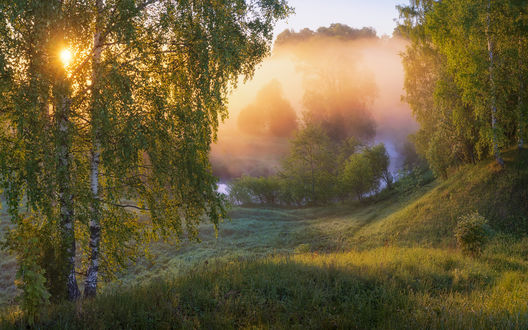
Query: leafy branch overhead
column 124, row 126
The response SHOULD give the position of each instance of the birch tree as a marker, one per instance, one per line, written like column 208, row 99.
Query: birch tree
column 493, row 89
column 109, row 108
column 464, row 78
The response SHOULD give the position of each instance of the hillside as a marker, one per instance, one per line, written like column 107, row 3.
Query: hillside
column 389, row 263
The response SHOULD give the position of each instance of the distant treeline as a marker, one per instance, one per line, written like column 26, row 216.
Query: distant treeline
column 336, row 30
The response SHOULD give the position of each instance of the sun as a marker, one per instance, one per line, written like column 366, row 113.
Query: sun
column 66, row 57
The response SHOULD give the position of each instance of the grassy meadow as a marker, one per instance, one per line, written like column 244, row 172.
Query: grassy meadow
column 389, row 262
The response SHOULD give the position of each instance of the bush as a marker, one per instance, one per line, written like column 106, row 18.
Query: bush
column 302, row 248
column 249, row 190
column 412, row 178
column 472, row 233
column 359, row 175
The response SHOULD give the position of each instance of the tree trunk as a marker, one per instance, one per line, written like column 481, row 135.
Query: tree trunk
column 521, row 117
column 387, row 176
column 496, row 149
column 90, row 286
column 521, row 95
column 66, row 196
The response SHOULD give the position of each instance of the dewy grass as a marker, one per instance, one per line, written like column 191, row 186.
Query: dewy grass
column 386, row 264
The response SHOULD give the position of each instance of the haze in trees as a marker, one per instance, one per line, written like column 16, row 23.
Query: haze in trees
column 269, row 115
column 349, row 80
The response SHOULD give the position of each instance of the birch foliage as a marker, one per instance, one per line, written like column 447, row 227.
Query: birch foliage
column 464, row 77
column 145, row 92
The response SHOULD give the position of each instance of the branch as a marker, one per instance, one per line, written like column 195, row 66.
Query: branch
column 127, row 206
column 109, row 29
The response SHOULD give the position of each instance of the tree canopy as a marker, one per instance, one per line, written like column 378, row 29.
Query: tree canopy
column 465, row 77
column 123, row 129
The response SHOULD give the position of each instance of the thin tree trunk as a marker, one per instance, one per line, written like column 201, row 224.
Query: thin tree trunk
column 496, row 149
column 521, row 96
column 66, row 196
column 521, row 118
column 90, row 286
column 312, row 174
column 387, row 176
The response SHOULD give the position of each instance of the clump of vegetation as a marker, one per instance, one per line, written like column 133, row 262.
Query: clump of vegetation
column 472, row 233
column 249, row 190
column 302, row 248
column 318, row 171
column 412, row 178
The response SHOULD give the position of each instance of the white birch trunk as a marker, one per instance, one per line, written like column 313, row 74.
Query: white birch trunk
column 66, row 196
column 496, row 149
column 521, row 117
column 90, row 286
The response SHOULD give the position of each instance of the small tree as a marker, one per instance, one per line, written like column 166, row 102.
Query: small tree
column 310, row 168
column 359, row 176
column 379, row 161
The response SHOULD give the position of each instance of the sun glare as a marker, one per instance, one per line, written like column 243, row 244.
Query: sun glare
column 66, row 57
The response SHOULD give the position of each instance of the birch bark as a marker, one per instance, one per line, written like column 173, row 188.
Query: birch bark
column 496, row 149
column 90, row 286
column 66, row 196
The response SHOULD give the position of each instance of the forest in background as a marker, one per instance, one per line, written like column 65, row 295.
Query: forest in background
column 351, row 77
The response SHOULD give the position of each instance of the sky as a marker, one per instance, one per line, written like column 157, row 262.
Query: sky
column 379, row 14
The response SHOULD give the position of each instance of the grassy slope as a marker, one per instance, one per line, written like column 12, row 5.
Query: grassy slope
column 389, row 264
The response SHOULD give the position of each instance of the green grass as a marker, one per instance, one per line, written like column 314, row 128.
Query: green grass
column 386, row 287
column 386, row 264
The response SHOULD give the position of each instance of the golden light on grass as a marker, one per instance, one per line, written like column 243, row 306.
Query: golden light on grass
column 66, row 57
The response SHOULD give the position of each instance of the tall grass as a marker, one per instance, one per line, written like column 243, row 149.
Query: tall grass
column 386, row 287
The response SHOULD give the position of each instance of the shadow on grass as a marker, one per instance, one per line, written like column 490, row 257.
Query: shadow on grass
column 291, row 293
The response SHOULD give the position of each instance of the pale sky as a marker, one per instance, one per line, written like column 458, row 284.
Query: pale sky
column 379, row 14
